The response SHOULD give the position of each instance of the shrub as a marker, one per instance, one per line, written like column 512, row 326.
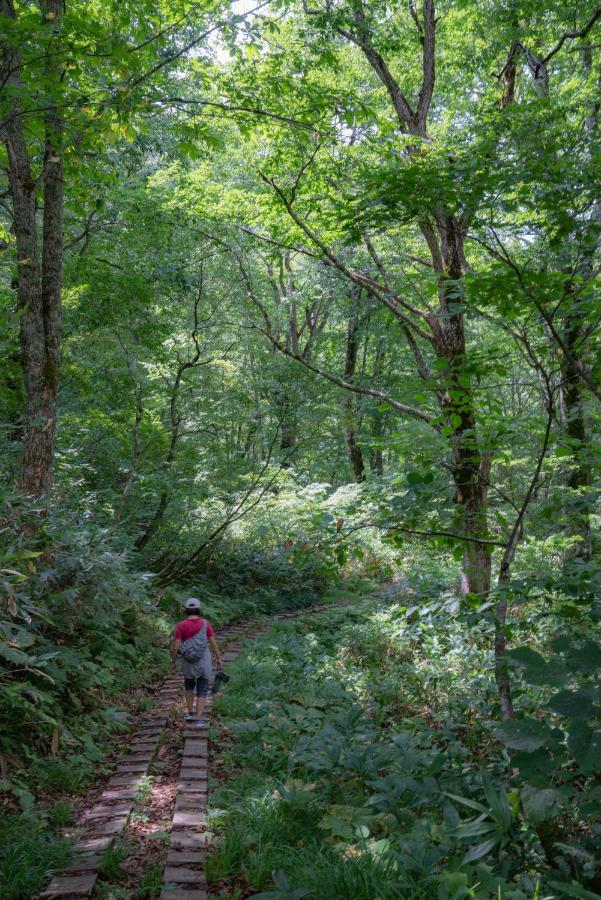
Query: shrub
column 75, row 632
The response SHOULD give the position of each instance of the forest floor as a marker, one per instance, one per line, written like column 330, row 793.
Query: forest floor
column 344, row 761
column 144, row 832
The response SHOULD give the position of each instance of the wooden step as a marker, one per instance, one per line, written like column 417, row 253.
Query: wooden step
column 65, row 886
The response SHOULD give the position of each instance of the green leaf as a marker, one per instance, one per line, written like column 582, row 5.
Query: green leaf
column 585, row 746
column 475, row 829
column 499, row 806
column 13, row 655
column 535, row 763
column 523, row 734
column 482, row 849
column 466, row 801
column 572, row 890
column 535, row 668
column 540, row 804
column 526, row 656
column 574, row 704
column 337, row 827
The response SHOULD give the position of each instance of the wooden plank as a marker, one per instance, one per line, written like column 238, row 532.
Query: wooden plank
column 195, row 762
column 144, row 746
column 198, row 745
column 196, row 774
column 182, row 894
column 124, row 794
column 137, row 759
column 78, row 885
column 87, row 862
column 185, row 858
column 199, row 786
column 104, row 811
column 184, row 875
column 113, row 826
column 189, row 818
column 134, row 767
column 191, row 801
column 124, row 781
column 94, row 844
column 189, row 840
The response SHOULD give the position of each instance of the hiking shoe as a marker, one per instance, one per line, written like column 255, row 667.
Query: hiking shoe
column 190, row 717
column 220, row 678
column 200, row 723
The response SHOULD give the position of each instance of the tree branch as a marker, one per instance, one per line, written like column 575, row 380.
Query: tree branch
column 428, row 65
column 375, row 289
column 355, row 388
column 568, row 35
column 446, row 534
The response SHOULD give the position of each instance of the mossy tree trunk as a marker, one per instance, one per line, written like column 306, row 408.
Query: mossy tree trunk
column 39, row 263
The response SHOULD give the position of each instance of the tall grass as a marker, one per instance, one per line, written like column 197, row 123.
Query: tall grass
column 31, row 852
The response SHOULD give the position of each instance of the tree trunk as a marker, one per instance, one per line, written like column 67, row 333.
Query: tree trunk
column 135, row 453
column 39, row 284
column 579, row 477
column 289, row 431
column 470, row 467
column 175, row 420
column 471, row 503
column 573, row 388
column 247, row 450
column 502, row 679
column 376, row 455
column 349, row 406
column 355, row 454
column 154, row 523
column 165, row 496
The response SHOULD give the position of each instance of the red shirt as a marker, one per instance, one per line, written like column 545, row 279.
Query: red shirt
column 188, row 627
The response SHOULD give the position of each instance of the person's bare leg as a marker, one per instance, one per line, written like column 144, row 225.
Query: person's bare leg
column 190, row 701
column 201, row 702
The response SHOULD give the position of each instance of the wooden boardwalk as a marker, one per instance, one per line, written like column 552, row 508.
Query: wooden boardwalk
column 104, row 821
column 183, row 877
column 189, row 840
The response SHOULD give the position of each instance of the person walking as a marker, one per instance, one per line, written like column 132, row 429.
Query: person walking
column 193, row 641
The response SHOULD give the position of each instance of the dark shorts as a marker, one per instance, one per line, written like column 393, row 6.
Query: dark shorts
column 201, row 684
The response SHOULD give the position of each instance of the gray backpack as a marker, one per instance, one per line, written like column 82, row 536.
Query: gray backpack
column 194, row 649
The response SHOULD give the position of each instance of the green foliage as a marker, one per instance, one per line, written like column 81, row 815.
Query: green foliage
column 75, row 636
column 320, row 332
column 60, row 814
column 111, row 859
column 151, row 882
column 357, row 780
column 31, row 851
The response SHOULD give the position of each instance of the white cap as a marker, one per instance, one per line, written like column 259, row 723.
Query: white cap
column 192, row 603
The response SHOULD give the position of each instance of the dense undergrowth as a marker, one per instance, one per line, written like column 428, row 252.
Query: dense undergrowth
column 83, row 638
column 363, row 763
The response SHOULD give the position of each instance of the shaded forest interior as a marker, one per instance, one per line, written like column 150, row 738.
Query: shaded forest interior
column 299, row 302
